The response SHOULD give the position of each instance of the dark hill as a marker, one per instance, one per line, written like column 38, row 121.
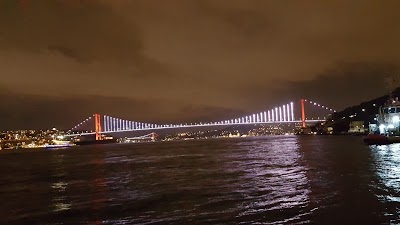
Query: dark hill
column 366, row 111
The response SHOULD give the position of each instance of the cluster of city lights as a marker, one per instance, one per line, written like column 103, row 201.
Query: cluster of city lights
column 142, row 137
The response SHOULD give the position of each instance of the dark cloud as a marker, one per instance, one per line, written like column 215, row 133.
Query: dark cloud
column 225, row 56
column 339, row 87
column 65, row 51
column 346, row 84
column 36, row 111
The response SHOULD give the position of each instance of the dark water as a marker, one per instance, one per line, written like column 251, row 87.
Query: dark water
column 270, row 180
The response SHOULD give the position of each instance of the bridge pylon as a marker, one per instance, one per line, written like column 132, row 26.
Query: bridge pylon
column 97, row 124
column 303, row 114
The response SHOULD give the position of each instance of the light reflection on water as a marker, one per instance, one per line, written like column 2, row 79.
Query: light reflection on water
column 387, row 161
column 269, row 180
column 273, row 179
column 59, row 197
column 237, row 182
column 387, row 168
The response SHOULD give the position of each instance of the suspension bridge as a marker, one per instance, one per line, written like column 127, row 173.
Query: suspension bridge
column 285, row 113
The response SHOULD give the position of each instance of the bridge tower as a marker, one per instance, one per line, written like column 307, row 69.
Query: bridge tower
column 303, row 115
column 97, row 124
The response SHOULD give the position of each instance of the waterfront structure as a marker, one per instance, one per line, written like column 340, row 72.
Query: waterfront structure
column 356, row 127
column 388, row 118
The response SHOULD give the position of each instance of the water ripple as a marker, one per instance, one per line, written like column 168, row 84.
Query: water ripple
column 266, row 180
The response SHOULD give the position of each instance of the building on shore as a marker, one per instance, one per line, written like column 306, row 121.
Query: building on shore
column 357, row 127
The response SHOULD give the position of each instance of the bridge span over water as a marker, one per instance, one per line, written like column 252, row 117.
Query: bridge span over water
column 284, row 114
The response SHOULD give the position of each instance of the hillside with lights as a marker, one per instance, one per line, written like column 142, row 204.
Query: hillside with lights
column 365, row 111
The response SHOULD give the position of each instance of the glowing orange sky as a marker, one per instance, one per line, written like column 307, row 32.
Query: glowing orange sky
column 192, row 59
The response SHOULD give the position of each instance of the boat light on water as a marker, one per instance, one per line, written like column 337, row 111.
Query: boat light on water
column 60, row 144
column 387, row 128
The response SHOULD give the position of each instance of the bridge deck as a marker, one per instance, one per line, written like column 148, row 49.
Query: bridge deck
column 192, row 126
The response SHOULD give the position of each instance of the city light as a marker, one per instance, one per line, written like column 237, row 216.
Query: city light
column 382, row 128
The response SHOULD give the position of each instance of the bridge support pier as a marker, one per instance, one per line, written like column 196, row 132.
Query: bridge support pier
column 303, row 115
column 97, row 124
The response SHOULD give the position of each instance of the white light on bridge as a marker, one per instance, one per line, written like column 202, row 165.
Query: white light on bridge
column 291, row 110
column 105, row 123
column 273, row 115
column 284, row 112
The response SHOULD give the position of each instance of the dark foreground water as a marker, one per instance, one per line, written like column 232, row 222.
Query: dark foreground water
column 269, row 180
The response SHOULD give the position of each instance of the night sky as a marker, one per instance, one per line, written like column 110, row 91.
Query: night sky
column 186, row 61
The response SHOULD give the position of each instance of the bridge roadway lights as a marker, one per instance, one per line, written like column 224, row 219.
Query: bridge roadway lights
column 276, row 115
column 192, row 126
